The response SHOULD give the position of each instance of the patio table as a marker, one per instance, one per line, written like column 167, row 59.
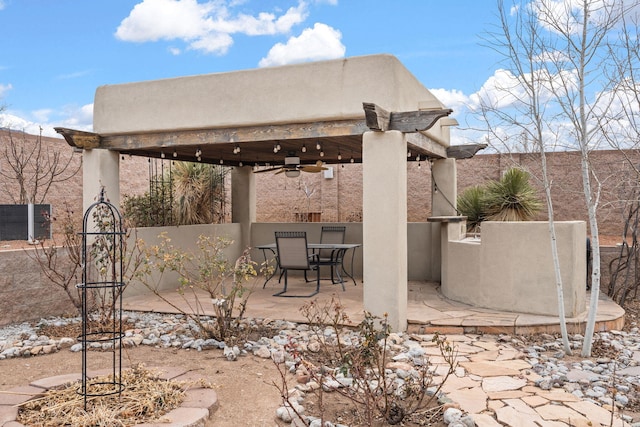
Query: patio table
column 338, row 250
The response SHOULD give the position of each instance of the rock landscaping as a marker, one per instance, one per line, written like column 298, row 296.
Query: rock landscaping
column 500, row 378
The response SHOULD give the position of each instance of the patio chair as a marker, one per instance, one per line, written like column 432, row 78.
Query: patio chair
column 332, row 257
column 293, row 254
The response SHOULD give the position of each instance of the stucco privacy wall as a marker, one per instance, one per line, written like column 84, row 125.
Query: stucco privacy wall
column 423, row 261
column 184, row 237
column 25, row 291
column 511, row 269
column 318, row 91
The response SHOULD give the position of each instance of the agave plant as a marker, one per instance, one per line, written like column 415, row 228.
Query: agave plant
column 471, row 205
column 512, row 198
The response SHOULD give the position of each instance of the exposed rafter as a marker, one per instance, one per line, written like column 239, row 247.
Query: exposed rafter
column 379, row 119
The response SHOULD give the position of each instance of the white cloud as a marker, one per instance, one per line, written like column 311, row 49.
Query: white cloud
column 206, row 27
column 42, row 116
column 318, row 43
column 568, row 14
column 217, row 43
column 4, row 89
column 153, row 20
column 80, row 118
column 454, row 99
column 74, row 75
column 2, row 4
column 501, row 90
column 264, row 24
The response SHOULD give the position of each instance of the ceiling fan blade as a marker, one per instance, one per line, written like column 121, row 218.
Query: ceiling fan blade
column 268, row 169
column 280, row 171
column 313, row 169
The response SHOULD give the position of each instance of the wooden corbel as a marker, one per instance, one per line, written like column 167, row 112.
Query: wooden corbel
column 378, row 119
column 80, row 139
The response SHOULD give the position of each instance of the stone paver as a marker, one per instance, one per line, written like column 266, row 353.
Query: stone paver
column 556, row 412
column 594, row 412
column 470, row 400
column 503, row 383
column 485, row 420
column 489, row 368
column 507, row 415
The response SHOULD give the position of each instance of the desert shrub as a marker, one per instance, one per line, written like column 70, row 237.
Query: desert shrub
column 358, row 359
column 207, row 269
column 512, row 198
column 191, row 193
column 471, row 205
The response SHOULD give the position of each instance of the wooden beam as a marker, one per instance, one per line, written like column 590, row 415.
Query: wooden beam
column 380, row 120
column 376, row 117
column 79, row 138
column 419, row 143
column 203, row 137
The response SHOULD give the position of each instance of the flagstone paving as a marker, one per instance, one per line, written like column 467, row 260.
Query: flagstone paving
column 498, row 391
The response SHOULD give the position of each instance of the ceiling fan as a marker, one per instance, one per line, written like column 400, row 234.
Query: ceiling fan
column 292, row 167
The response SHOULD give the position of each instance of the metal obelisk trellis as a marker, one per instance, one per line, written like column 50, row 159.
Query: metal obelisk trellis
column 102, row 282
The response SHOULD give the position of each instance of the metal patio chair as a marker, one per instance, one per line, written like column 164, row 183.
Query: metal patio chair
column 331, row 257
column 293, row 254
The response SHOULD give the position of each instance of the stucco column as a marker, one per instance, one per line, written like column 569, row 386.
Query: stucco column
column 100, row 168
column 443, row 188
column 384, row 225
column 243, row 201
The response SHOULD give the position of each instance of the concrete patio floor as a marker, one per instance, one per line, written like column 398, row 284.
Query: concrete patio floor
column 428, row 310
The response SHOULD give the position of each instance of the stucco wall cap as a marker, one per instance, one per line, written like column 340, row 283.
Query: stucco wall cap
column 300, row 93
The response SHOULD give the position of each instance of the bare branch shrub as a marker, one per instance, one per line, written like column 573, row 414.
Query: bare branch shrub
column 206, row 269
column 33, row 167
column 357, row 366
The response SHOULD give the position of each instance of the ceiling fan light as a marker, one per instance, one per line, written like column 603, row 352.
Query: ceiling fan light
column 294, row 173
column 292, row 160
column 304, row 148
column 318, row 146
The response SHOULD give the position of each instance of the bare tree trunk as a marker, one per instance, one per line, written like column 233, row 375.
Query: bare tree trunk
column 554, row 254
column 595, row 272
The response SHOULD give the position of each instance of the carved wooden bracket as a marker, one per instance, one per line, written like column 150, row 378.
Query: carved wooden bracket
column 79, row 138
column 466, row 151
column 378, row 119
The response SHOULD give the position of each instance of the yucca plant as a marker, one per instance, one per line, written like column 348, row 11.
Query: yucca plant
column 471, row 205
column 512, row 198
column 198, row 190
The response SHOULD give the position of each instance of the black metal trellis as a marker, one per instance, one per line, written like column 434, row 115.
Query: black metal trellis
column 102, row 281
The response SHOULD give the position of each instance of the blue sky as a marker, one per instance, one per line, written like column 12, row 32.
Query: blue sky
column 56, row 53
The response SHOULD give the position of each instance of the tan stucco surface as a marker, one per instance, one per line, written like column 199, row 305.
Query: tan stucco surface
column 511, row 268
column 184, row 237
column 309, row 92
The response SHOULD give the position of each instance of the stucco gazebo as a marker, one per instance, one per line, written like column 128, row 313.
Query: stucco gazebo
column 370, row 109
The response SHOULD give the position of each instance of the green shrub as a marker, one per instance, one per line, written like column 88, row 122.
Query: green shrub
column 512, row 198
